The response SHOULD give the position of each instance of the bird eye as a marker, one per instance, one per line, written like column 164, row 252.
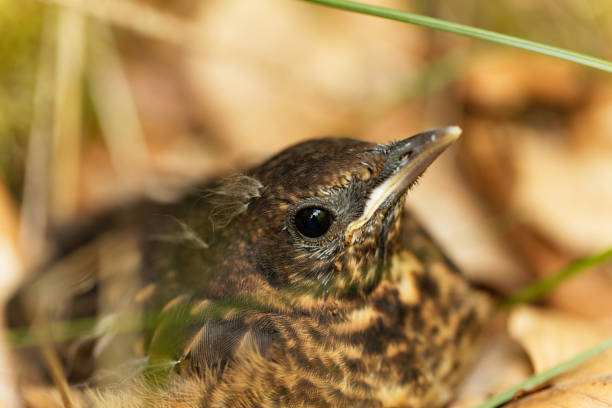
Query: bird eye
column 313, row 222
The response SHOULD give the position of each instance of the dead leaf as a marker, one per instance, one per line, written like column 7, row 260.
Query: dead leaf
column 591, row 393
column 552, row 203
column 564, row 192
column 506, row 79
column 486, row 378
column 591, row 126
column 550, row 338
column 273, row 73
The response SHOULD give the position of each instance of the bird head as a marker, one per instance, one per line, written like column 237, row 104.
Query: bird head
column 327, row 211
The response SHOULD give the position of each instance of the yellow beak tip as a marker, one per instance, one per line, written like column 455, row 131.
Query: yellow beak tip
column 453, row 132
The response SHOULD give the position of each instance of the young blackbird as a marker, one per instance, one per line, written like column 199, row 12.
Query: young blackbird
column 301, row 283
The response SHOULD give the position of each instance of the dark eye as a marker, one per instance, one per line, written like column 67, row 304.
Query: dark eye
column 313, row 222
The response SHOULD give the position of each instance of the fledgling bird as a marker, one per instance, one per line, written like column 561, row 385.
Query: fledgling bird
column 301, row 283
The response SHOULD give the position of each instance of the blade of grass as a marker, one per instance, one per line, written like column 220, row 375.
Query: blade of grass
column 547, row 375
column 127, row 321
column 468, row 31
column 541, row 288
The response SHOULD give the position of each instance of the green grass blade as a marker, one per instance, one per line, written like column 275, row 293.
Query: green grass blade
column 468, row 31
column 541, row 288
column 547, row 375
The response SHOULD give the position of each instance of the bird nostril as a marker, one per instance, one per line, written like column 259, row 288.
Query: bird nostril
column 407, row 155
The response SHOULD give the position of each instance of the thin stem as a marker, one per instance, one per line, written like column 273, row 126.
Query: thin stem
column 468, row 31
column 541, row 288
column 547, row 375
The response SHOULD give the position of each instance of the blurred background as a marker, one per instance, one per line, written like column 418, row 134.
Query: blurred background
column 102, row 102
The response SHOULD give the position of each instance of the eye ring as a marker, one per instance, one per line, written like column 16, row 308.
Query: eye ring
column 313, row 222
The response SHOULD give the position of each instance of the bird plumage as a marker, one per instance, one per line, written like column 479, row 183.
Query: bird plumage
column 302, row 282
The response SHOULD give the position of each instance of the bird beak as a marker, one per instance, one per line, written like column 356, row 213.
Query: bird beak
column 409, row 158
column 406, row 161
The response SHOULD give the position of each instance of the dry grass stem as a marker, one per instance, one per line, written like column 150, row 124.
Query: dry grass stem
column 115, row 106
column 67, row 127
column 34, row 207
column 134, row 16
